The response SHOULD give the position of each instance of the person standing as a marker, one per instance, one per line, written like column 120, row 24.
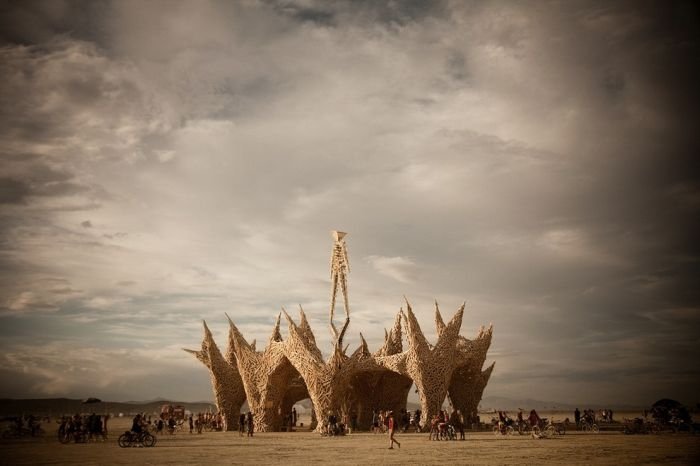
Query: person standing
column 460, row 425
column 294, row 416
column 577, row 417
column 241, row 425
column 392, row 429
column 191, row 422
column 249, row 420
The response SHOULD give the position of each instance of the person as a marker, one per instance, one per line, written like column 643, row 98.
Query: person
column 434, row 427
column 200, row 423
column 294, row 416
column 392, row 430
column 249, row 421
column 577, row 417
column 534, row 418
column 353, row 421
column 136, row 424
column 375, row 421
column 191, row 422
column 332, row 421
column 460, row 424
column 241, row 425
column 521, row 421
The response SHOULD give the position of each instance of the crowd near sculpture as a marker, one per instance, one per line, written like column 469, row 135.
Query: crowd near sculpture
column 289, row 370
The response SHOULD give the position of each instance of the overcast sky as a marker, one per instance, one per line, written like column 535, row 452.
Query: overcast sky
column 166, row 162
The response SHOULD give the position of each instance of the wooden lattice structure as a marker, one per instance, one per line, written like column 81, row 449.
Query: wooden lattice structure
column 292, row 369
column 229, row 392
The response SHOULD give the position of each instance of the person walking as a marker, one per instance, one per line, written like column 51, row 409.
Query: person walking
column 241, row 425
column 392, row 429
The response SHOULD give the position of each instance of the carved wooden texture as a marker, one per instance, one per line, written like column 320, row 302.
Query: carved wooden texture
column 225, row 380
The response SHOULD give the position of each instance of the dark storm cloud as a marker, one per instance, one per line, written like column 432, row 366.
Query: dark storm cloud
column 537, row 159
column 13, row 191
column 37, row 22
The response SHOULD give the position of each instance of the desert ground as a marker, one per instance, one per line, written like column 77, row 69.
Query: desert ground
column 214, row 448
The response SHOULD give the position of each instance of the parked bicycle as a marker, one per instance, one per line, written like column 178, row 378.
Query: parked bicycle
column 543, row 429
column 590, row 427
column 522, row 427
column 503, row 427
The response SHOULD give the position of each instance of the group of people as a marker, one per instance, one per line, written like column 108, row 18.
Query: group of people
column 83, row 428
column 404, row 420
column 24, row 425
column 209, row 420
column 446, row 425
column 589, row 416
column 504, row 420
column 170, row 424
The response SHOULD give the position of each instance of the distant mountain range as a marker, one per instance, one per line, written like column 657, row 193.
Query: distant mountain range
column 59, row 406
column 490, row 403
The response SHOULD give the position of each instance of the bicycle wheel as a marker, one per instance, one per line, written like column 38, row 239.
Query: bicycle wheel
column 510, row 430
column 595, row 429
column 64, row 437
column 496, row 430
column 124, row 440
column 536, row 431
column 148, row 440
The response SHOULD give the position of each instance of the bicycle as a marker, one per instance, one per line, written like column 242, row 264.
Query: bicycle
column 503, row 429
column 590, row 427
column 134, row 439
column 543, row 429
column 448, row 433
column 523, row 428
column 71, row 435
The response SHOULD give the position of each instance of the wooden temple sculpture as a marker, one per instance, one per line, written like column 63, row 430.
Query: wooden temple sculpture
column 225, row 380
column 430, row 367
column 267, row 378
column 292, row 369
column 468, row 380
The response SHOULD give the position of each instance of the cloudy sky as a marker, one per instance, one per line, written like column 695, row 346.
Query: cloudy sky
column 166, row 162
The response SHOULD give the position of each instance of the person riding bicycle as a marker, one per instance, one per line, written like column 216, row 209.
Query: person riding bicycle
column 136, row 425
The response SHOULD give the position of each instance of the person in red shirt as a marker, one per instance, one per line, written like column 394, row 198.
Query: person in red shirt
column 392, row 429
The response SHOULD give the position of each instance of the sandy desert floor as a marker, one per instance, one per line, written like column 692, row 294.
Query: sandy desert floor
column 214, row 448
